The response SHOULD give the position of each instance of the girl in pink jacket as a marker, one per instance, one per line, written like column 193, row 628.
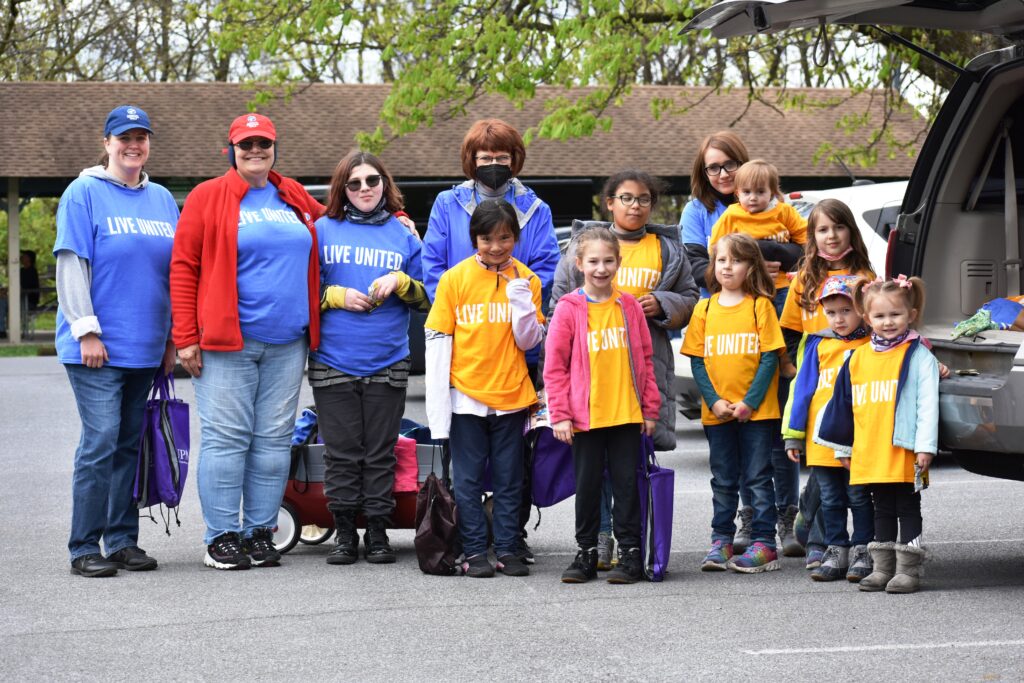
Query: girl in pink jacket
column 599, row 377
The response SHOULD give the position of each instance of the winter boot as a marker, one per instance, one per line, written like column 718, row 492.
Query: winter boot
column 787, row 538
column 378, row 547
column 346, row 549
column 909, row 558
column 883, row 560
column 742, row 538
column 605, row 551
column 834, row 565
column 860, row 564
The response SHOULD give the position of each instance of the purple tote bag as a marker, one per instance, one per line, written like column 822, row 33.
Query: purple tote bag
column 164, row 447
column 554, row 478
column 657, row 491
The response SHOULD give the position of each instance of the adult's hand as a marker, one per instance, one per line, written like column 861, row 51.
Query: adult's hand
column 191, row 359
column 94, row 353
column 169, row 358
column 410, row 224
column 652, row 309
column 773, row 267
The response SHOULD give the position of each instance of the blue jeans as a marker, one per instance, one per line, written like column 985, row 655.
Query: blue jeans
column 111, row 402
column 836, row 496
column 246, row 402
column 606, row 506
column 475, row 442
column 741, row 451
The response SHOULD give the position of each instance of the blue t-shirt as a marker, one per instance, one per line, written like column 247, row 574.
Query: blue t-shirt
column 273, row 268
column 696, row 224
column 127, row 236
column 354, row 255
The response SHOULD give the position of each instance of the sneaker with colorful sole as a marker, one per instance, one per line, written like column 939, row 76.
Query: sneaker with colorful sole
column 757, row 558
column 717, row 558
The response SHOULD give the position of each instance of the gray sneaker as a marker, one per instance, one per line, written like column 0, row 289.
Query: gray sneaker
column 605, row 551
column 787, row 538
column 833, row 565
column 742, row 538
column 860, row 564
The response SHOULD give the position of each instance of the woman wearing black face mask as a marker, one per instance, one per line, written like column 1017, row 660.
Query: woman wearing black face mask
column 492, row 156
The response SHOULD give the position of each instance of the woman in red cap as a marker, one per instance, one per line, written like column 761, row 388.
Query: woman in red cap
column 245, row 301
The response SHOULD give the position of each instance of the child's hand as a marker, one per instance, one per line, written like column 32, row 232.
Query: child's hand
column 924, row 461
column 943, row 371
column 384, row 286
column 741, row 411
column 845, row 462
column 722, row 409
column 356, row 301
column 652, row 309
column 782, row 237
column 787, row 369
column 649, row 427
column 563, row 431
column 793, row 454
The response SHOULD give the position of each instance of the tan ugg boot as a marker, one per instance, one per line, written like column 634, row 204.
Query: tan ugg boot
column 909, row 559
column 883, row 560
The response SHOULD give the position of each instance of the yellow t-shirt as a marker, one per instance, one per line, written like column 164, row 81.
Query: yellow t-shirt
column 831, row 356
column 731, row 344
column 640, row 270
column 781, row 218
column 873, row 380
column 471, row 305
column 613, row 399
column 795, row 317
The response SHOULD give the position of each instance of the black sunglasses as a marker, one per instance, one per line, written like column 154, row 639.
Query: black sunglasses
column 246, row 145
column 371, row 181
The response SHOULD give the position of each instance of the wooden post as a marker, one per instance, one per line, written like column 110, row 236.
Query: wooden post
column 13, row 263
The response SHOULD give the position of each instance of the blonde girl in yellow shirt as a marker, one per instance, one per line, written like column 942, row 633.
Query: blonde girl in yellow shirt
column 733, row 341
column 485, row 316
column 883, row 421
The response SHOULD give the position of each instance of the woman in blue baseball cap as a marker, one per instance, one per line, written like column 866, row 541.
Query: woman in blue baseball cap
column 115, row 230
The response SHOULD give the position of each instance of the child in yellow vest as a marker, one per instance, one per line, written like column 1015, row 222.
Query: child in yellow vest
column 599, row 376
column 834, row 247
column 486, row 314
column 733, row 342
column 883, row 421
column 822, row 354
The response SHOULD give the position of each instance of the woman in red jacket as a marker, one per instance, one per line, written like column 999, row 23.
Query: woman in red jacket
column 245, row 302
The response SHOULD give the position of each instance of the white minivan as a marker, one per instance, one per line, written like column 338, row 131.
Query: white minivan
column 958, row 226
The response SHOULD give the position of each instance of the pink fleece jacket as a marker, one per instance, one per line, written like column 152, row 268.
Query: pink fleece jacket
column 567, row 361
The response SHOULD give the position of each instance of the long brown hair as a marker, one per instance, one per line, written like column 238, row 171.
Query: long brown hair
column 336, row 198
column 742, row 248
column 814, row 270
column 729, row 144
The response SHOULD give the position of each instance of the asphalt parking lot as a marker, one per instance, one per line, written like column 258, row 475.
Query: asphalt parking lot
column 307, row 620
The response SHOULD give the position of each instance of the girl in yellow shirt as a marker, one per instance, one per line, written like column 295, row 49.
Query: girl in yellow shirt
column 883, row 422
column 485, row 315
column 732, row 340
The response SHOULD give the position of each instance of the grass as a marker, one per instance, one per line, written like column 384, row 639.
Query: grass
column 25, row 350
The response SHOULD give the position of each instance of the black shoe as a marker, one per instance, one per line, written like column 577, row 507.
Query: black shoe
column 510, row 565
column 260, row 548
column 133, row 559
column 93, row 566
column 583, row 568
column 478, row 567
column 226, row 553
column 523, row 551
column 378, row 547
column 629, row 569
column 346, row 549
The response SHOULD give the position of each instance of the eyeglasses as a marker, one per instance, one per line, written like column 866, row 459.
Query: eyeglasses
column 246, row 145
column 629, row 200
column 356, row 183
column 716, row 169
column 504, row 159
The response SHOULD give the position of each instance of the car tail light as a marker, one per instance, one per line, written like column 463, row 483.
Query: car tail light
column 889, row 246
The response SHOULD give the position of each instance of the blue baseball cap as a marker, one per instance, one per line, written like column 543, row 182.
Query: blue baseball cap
column 124, row 118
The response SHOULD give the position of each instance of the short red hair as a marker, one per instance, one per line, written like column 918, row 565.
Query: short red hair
column 496, row 136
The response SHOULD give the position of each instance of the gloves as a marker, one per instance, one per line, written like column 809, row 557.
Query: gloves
column 998, row 314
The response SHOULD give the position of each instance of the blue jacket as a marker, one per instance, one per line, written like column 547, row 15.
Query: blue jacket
column 917, row 406
column 447, row 242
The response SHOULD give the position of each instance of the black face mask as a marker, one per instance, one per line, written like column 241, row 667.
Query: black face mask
column 494, row 175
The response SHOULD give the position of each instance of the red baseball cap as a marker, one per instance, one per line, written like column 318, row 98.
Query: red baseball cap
column 251, row 126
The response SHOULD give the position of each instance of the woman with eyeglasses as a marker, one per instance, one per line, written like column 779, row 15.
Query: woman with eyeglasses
column 370, row 275
column 245, row 295
column 493, row 154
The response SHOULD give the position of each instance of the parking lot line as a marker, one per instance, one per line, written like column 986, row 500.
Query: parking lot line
column 889, row 646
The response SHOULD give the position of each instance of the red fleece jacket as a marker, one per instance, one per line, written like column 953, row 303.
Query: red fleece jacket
column 204, row 262
column 567, row 361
